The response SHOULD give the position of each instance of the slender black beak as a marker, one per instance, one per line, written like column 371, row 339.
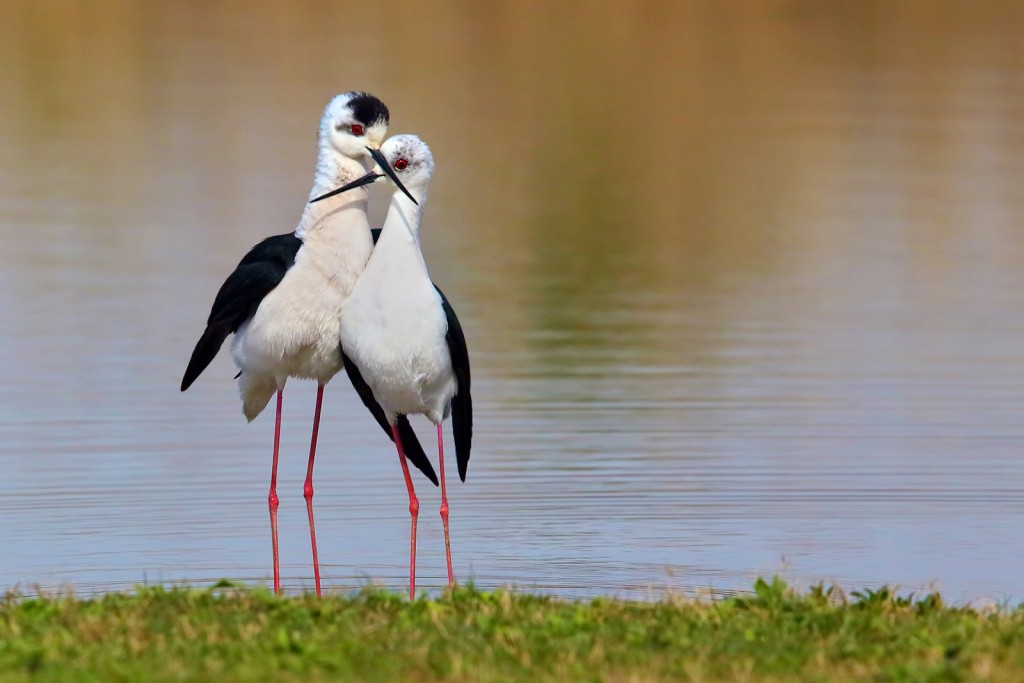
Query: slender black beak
column 386, row 167
column 358, row 182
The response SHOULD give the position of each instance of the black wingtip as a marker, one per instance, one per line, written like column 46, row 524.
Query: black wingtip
column 462, row 455
column 206, row 349
column 192, row 373
column 414, row 451
column 462, row 424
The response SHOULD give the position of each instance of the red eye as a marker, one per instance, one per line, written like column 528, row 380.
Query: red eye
column 401, row 164
column 356, row 129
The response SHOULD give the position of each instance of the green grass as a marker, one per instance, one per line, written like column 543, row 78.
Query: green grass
column 774, row 634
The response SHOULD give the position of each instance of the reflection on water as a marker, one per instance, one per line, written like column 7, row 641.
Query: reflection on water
column 742, row 287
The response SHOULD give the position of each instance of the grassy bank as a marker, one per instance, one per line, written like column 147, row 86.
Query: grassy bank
column 773, row 635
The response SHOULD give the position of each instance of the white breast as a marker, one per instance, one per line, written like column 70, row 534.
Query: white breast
column 296, row 328
column 393, row 328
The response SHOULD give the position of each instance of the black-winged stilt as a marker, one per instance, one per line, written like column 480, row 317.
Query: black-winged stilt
column 284, row 299
column 400, row 335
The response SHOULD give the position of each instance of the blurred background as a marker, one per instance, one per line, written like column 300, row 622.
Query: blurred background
column 741, row 281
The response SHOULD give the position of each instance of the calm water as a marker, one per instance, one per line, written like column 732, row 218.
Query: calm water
column 742, row 284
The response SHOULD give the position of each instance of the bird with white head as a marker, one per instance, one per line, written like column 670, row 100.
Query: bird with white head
column 399, row 334
column 284, row 299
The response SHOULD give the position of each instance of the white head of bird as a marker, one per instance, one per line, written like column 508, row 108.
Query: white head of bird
column 353, row 123
column 406, row 161
column 412, row 163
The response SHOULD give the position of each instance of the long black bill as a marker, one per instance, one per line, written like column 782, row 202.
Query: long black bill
column 386, row 167
column 358, row 182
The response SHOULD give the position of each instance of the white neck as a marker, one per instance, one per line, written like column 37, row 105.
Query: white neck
column 332, row 171
column 403, row 220
column 348, row 208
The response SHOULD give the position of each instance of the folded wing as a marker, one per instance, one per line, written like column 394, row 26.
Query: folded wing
column 462, row 403
column 257, row 275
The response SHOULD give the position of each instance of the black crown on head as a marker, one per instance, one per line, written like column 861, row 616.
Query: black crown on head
column 368, row 110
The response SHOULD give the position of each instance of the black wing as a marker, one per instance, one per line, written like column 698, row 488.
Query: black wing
column 462, row 403
column 411, row 445
column 257, row 274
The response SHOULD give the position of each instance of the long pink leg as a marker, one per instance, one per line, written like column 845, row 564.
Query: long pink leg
column 444, row 509
column 272, row 498
column 414, row 511
column 307, row 489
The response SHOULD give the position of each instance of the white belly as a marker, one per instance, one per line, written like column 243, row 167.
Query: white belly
column 295, row 330
column 398, row 344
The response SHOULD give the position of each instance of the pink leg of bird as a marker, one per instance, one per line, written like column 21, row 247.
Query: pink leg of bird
column 272, row 498
column 444, row 509
column 414, row 511
column 307, row 489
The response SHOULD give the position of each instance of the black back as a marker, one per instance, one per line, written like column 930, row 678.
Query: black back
column 259, row 272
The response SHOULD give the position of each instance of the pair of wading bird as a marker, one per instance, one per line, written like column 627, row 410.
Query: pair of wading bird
column 335, row 294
